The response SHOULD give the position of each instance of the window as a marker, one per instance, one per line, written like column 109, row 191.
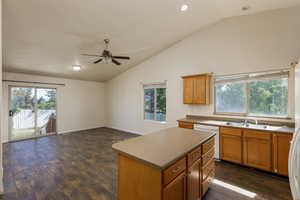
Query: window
column 155, row 102
column 260, row 94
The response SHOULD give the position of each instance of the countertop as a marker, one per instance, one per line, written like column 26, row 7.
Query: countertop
column 163, row 148
column 280, row 129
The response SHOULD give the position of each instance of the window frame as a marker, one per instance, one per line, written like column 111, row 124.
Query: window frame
column 247, row 113
column 154, row 86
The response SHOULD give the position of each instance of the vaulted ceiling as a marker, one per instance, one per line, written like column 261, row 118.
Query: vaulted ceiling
column 47, row 37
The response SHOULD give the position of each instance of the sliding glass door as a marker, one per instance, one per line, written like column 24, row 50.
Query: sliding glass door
column 32, row 112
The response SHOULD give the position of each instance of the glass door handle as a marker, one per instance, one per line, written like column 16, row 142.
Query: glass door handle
column 11, row 113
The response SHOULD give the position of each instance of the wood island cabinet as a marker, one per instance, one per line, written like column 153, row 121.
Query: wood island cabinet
column 186, row 179
column 197, row 89
column 176, row 190
column 193, row 181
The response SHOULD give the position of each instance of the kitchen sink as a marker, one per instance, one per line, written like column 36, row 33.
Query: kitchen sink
column 243, row 125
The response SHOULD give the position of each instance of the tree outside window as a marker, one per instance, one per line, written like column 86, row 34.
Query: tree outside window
column 155, row 102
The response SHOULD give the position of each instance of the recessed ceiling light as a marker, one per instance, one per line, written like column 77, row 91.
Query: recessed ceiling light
column 76, row 67
column 184, row 7
column 245, row 8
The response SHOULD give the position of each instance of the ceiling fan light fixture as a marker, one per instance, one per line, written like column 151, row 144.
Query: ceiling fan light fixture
column 184, row 7
column 76, row 67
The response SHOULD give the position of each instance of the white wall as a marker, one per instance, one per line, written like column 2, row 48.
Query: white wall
column 241, row 44
column 1, row 111
column 80, row 104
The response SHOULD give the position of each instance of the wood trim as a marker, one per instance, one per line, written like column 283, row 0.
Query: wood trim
column 197, row 75
column 275, row 154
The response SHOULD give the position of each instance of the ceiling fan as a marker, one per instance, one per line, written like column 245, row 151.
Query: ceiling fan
column 107, row 56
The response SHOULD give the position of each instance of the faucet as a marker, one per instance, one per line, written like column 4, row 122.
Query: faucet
column 246, row 123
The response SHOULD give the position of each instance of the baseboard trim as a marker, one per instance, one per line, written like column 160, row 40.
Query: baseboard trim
column 125, row 130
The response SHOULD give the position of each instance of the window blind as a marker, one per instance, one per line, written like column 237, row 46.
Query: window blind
column 254, row 76
column 155, row 85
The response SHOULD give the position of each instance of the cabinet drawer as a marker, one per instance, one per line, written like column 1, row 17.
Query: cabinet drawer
column 207, row 182
column 173, row 171
column 208, row 145
column 207, row 169
column 208, row 156
column 194, row 156
column 231, row 131
column 257, row 134
column 186, row 125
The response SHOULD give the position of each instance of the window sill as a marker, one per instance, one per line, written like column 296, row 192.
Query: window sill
column 234, row 115
column 155, row 122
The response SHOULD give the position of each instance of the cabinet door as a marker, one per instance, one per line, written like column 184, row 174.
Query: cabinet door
column 199, row 90
column 281, row 148
column 193, row 180
column 257, row 150
column 176, row 190
column 188, row 125
column 188, row 90
column 231, row 148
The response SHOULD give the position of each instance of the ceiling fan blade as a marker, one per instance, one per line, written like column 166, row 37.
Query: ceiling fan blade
column 121, row 57
column 98, row 61
column 116, row 62
column 93, row 55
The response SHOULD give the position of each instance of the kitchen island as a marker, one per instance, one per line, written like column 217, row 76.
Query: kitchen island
column 171, row 164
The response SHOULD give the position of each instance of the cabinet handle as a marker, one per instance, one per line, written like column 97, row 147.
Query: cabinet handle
column 176, row 170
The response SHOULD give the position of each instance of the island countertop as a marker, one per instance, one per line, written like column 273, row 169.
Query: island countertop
column 163, row 148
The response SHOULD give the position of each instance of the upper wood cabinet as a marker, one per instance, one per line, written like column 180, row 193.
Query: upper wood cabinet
column 258, row 149
column 281, row 148
column 197, row 89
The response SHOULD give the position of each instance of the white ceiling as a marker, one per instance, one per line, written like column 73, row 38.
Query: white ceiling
column 47, row 37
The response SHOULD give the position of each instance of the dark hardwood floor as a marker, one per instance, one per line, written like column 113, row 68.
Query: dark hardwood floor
column 82, row 166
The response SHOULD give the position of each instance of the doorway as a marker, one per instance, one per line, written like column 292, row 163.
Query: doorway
column 32, row 112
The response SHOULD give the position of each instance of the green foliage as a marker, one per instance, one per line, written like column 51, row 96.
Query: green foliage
column 269, row 97
column 161, row 99
column 231, row 97
column 24, row 99
column 266, row 97
column 48, row 104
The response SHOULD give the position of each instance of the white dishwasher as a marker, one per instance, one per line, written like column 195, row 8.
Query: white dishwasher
column 211, row 129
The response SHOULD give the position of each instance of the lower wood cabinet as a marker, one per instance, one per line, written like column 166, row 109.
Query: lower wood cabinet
column 281, row 148
column 188, row 125
column 231, row 144
column 176, row 190
column 258, row 149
